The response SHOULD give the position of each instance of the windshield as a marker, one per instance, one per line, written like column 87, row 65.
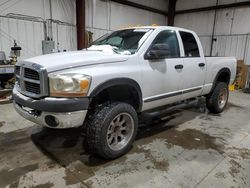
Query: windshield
column 128, row 40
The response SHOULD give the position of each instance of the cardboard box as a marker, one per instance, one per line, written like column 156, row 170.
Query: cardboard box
column 241, row 75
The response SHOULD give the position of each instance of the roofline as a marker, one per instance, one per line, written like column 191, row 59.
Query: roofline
column 158, row 27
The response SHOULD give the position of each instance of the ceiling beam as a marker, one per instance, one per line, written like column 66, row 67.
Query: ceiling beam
column 140, row 6
column 216, row 7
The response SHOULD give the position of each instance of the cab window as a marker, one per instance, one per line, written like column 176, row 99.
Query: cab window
column 169, row 39
column 190, row 45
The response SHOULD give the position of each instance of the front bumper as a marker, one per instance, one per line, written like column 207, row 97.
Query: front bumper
column 52, row 112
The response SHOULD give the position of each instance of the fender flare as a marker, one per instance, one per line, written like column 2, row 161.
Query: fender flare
column 223, row 70
column 118, row 81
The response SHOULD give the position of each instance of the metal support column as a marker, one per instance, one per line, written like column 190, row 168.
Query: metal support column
column 171, row 12
column 80, row 23
column 213, row 39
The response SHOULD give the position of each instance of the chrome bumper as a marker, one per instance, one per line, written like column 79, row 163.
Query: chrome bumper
column 64, row 120
column 52, row 112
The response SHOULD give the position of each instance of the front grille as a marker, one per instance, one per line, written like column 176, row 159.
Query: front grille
column 32, row 87
column 31, row 80
column 31, row 74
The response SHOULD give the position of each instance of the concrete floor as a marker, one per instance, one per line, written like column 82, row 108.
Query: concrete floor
column 187, row 149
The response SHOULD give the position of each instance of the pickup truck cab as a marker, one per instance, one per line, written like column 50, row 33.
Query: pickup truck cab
column 122, row 74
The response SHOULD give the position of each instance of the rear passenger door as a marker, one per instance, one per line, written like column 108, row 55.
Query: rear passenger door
column 194, row 65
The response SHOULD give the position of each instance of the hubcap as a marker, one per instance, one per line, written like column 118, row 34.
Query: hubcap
column 223, row 98
column 120, row 131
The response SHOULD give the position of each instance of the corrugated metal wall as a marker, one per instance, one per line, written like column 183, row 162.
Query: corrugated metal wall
column 232, row 27
column 29, row 34
column 228, row 45
column 105, row 16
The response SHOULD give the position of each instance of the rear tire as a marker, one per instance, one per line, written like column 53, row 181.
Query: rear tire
column 217, row 100
column 111, row 129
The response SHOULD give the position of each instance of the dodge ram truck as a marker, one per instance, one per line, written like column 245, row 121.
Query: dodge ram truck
column 104, row 87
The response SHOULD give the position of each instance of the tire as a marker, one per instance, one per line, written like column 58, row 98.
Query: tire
column 111, row 130
column 217, row 100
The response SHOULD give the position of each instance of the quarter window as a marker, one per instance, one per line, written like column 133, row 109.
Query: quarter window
column 190, row 45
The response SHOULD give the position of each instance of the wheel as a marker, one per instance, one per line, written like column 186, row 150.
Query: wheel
column 217, row 100
column 111, row 129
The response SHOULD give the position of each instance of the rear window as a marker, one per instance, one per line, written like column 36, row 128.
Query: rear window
column 190, row 45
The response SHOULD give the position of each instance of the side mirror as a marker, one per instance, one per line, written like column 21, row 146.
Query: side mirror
column 157, row 51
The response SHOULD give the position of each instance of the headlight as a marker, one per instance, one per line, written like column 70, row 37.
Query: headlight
column 69, row 85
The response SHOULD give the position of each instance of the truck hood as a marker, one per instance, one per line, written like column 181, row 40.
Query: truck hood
column 65, row 60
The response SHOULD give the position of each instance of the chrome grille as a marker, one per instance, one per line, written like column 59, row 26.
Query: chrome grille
column 31, row 74
column 31, row 80
column 32, row 87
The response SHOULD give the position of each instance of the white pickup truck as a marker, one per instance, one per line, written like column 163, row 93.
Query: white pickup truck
column 122, row 74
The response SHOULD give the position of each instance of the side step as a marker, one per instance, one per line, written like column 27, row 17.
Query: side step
column 161, row 112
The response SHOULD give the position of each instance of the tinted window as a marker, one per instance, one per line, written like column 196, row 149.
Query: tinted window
column 171, row 42
column 190, row 45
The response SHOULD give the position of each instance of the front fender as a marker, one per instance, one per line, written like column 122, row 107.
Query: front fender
column 117, row 82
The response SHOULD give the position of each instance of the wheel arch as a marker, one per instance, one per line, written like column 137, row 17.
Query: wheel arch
column 123, row 86
column 223, row 75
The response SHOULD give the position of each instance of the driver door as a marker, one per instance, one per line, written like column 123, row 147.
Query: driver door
column 161, row 76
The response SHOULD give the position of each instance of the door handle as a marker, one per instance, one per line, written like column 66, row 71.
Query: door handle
column 178, row 66
column 201, row 64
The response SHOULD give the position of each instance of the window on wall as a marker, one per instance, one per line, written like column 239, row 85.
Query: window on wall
column 190, row 45
column 169, row 39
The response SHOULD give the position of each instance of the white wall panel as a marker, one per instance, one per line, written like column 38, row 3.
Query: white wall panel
column 123, row 16
column 206, row 43
column 241, row 21
column 230, row 46
column 190, row 4
column 101, row 14
column 89, row 13
column 231, row 27
column 230, row 1
column 29, row 34
column 28, row 7
column 157, row 4
column 247, row 50
column 224, row 21
column 200, row 22
column 222, row 2
column 105, row 16
column 64, row 37
column 64, row 10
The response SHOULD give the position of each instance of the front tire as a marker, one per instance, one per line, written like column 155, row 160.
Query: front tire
column 111, row 129
column 217, row 100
